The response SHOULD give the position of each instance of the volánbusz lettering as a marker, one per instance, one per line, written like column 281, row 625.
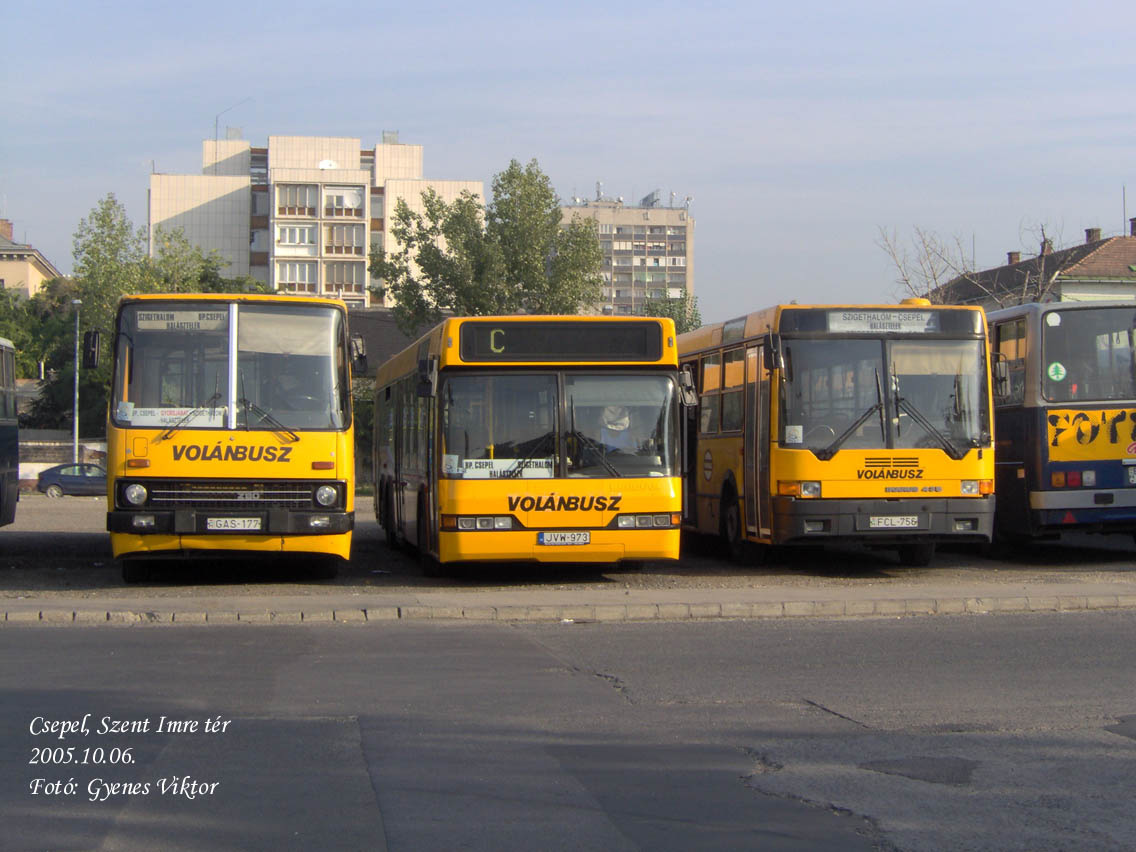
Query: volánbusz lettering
column 889, row 474
column 554, row 503
column 216, row 452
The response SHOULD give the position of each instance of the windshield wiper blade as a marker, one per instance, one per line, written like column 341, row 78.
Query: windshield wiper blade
column 518, row 467
column 266, row 417
column 952, row 451
column 189, row 415
column 598, row 450
column 832, row 449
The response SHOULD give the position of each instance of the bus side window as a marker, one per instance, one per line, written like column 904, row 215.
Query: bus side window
column 1010, row 344
column 710, row 389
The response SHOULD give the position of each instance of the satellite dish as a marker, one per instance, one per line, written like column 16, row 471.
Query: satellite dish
column 355, row 199
column 328, row 164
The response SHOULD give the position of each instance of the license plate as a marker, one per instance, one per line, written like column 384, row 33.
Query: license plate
column 891, row 522
column 564, row 538
column 240, row 524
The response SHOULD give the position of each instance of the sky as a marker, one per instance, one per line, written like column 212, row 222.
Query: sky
column 799, row 130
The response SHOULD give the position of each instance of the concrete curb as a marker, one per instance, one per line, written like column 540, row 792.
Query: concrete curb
column 90, row 616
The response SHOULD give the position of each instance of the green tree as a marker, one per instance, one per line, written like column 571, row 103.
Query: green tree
column 683, row 310
column 512, row 256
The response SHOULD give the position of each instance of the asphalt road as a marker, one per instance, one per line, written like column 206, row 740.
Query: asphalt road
column 954, row 733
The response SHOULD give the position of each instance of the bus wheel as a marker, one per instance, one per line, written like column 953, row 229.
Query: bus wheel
column 917, row 555
column 731, row 529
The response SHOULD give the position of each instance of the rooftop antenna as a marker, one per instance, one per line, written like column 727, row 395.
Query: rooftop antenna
column 217, row 117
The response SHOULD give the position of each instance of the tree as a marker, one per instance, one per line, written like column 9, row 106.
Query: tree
column 683, row 310
column 933, row 268
column 511, row 256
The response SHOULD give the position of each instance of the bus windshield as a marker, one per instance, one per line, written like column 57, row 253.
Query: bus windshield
column 875, row 394
column 176, row 367
column 517, row 426
column 1087, row 354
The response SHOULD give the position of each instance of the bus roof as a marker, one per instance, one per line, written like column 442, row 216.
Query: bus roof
column 273, row 298
column 760, row 322
column 446, row 342
column 1038, row 308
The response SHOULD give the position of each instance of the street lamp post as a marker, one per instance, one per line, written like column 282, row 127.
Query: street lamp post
column 75, row 405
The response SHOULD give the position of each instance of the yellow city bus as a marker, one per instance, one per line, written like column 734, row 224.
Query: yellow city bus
column 532, row 438
column 230, row 429
column 1065, row 411
column 854, row 423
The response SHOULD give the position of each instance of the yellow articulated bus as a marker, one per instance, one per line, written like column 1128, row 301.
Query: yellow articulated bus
column 532, row 438
column 230, row 428
column 849, row 423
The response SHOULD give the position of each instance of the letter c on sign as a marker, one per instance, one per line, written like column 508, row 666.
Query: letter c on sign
column 493, row 340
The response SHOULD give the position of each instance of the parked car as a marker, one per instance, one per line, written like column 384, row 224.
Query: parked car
column 79, row 479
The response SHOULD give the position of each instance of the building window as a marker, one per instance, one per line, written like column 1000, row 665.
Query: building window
column 295, row 235
column 343, row 239
column 296, row 276
column 605, row 229
column 296, row 199
column 341, row 201
column 342, row 276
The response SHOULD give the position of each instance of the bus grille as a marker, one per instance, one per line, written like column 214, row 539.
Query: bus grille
column 228, row 494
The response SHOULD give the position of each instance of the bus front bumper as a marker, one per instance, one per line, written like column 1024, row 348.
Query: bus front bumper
column 604, row 546
column 271, row 522
column 964, row 519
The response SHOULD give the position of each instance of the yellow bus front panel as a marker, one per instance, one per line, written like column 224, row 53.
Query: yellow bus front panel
column 226, row 491
column 545, row 520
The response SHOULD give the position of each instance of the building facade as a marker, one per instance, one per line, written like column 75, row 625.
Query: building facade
column 23, row 269
column 648, row 249
column 300, row 214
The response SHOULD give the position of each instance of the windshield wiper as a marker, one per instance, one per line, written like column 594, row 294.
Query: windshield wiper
column 590, row 444
column 832, row 449
column 903, row 404
column 518, row 467
column 189, row 415
column 265, row 417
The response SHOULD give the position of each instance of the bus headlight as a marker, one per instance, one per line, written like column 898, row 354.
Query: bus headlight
column 970, row 486
column 326, row 495
column 135, row 494
column 805, row 488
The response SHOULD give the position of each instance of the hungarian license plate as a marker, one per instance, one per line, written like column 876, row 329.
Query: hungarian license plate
column 892, row 522
column 235, row 524
column 564, row 538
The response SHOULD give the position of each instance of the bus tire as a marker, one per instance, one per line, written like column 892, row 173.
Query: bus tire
column 730, row 528
column 917, row 555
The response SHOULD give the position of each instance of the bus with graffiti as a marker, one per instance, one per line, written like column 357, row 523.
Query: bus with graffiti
column 543, row 439
column 230, row 429
column 841, row 423
column 1065, row 418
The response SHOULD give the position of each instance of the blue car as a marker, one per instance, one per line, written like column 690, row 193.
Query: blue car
column 78, row 479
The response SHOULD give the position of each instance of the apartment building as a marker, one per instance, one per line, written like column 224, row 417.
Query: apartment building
column 300, row 214
column 648, row 248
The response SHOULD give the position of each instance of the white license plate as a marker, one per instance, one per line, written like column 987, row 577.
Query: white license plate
column 891, row 522
column 564, row 538
column 240, row 524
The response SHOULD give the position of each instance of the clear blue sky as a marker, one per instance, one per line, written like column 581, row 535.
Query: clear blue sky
column 798, row 129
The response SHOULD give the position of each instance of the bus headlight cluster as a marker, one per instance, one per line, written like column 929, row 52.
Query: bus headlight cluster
column 1073, row 479
column 626, row 522
column 135, row 494
column 470, row 523
column 803, row 488
column 327, row 495
column 976, row 486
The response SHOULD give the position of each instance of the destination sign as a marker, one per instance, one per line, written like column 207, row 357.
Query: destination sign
column 182, row 320
column 899, row 322
column 552, row 340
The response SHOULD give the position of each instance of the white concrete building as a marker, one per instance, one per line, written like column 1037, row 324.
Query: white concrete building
column 648, row 248
column 300, row 214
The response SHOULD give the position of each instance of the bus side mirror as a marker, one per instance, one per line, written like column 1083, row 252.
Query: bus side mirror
column 358, row 354
column 428, row 377
column 1001, row 377
column 687, row 393
column 771, row 357
column 91, row 342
